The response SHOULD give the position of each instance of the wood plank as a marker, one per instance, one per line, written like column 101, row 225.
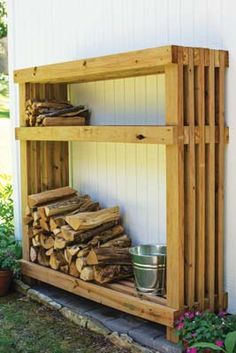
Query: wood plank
column 210, row 187
column 175, row 188
column 201, row 189
column 130, row 134
column 121, row 301
column 23, row 173
column 190, row 185
column 220, row 184
column 134, row 63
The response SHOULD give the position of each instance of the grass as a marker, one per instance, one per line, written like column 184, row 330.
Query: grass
column 27, row 327
column 4, row 97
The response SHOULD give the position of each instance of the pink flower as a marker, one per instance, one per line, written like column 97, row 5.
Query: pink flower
column 190, row 315
column 220, row 343
column 181, row 318
column 198, row 313
column 180, row 326
column 222, row 313
column 192, row 350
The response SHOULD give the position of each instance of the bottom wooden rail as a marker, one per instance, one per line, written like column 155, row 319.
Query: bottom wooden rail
column 119, row 296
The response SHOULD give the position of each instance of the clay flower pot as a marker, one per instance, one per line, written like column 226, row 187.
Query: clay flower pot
column 5, row 281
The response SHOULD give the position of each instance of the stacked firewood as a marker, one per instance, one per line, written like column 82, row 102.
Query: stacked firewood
column 71, row 233
column 55, row 113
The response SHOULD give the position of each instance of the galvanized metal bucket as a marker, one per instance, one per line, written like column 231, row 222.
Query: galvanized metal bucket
column 149, row 263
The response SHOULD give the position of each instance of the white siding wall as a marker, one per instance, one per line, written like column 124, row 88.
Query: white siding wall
column 47, row 31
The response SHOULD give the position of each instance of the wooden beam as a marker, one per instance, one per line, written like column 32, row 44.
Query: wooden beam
column 175, row 189
column 121, row 301
column 131, row 134
column 134, row 63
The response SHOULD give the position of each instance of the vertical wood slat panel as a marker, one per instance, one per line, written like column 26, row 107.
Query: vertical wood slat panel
column 200, row 190
column 175, row 191
column 190, row 184
column 220, row 184
column 210, row 186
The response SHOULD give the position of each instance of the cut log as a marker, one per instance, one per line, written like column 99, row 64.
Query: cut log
column 84, row 252
column 64, row 112
column 28, row 211
column 90, row 220
column 33, row 254
column 64, row 268
column 42, row 258
column 63, row 206
column 81, row 262
column 37, row 230
column 107, row 256
column 56, row 231
column 49, row 251
column 73, row 270
column 57, row 260
column 61, row 121
column 42, row 214
column 70, row 252
column 59, row 243
column 87, row 274
column 28, row 220
column 51, row 195
column 57, row 221
column 44, row 225
column 36, row 216
column 105, row 236
column 120, row 242
column 109, row 273
column 46, row 242
column 36, row 241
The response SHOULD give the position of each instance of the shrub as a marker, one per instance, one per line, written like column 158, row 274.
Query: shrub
column 10, row 253
column 6, row 207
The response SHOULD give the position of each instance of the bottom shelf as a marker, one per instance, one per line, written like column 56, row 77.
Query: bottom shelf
column 121, row 296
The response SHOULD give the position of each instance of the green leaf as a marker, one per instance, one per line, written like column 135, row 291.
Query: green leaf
column 208, row 345
column 230, row 342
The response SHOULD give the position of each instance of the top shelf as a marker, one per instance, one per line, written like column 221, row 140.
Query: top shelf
column 134, row 63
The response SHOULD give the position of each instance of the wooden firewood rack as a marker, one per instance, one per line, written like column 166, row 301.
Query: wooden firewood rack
column 194, row 135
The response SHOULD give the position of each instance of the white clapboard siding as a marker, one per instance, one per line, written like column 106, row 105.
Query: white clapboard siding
column 48, row 31
column 130, row 175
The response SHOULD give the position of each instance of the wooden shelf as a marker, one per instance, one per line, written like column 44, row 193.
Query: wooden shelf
column 118, row 296
column 166, row 135
column 131, row 134
column 134, row 63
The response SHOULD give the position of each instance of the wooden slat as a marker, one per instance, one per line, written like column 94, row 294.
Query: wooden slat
column 190, row 185
column 120, row 301
column 131, row 134
column 210, row 188
column 23, row 173
column 200, row 230
column 220, row 184
column 175, row 188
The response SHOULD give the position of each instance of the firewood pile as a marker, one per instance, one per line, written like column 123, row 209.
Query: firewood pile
column 72, row 234
column 55, row 113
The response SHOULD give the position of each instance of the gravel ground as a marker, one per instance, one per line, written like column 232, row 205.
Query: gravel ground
column 27, row 327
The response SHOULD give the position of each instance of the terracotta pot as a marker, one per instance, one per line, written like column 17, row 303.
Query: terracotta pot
column 5, row 281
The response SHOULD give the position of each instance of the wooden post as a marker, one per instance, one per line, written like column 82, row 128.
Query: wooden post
column 175, row 194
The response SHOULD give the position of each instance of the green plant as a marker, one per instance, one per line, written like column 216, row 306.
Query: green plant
column 6, row 207
column 195, row 327
column 10, row 253
column 3, row 19
column 228, row 346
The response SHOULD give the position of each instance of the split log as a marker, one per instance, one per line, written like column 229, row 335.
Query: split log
column 81, row 262
column 81, row 236
column 49, row 251
column 63, row 206
column 84, row 252
column 50, row 195
column 57, row 221
column 44, row 225
column 106, row 236
column 61, row 121
column 37, row 230
column 90, row 220
column 80, row 109
column 42, row 258
column 105, row 274
column 107, row 256
column 36, row 241
column 56, row 231
column 70, row 252
column 120, row 242
column 46, row 242
column 57, row 260
column 33, row 254
column 28, row 220
column 64, row 268
column 73, row 270
column 59, row 243
column 36, row 216
column 87, row 274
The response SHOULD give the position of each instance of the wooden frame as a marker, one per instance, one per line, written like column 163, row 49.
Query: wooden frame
column 194, row 135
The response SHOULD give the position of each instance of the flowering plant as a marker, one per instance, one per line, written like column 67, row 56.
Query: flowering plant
column 195, row 327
